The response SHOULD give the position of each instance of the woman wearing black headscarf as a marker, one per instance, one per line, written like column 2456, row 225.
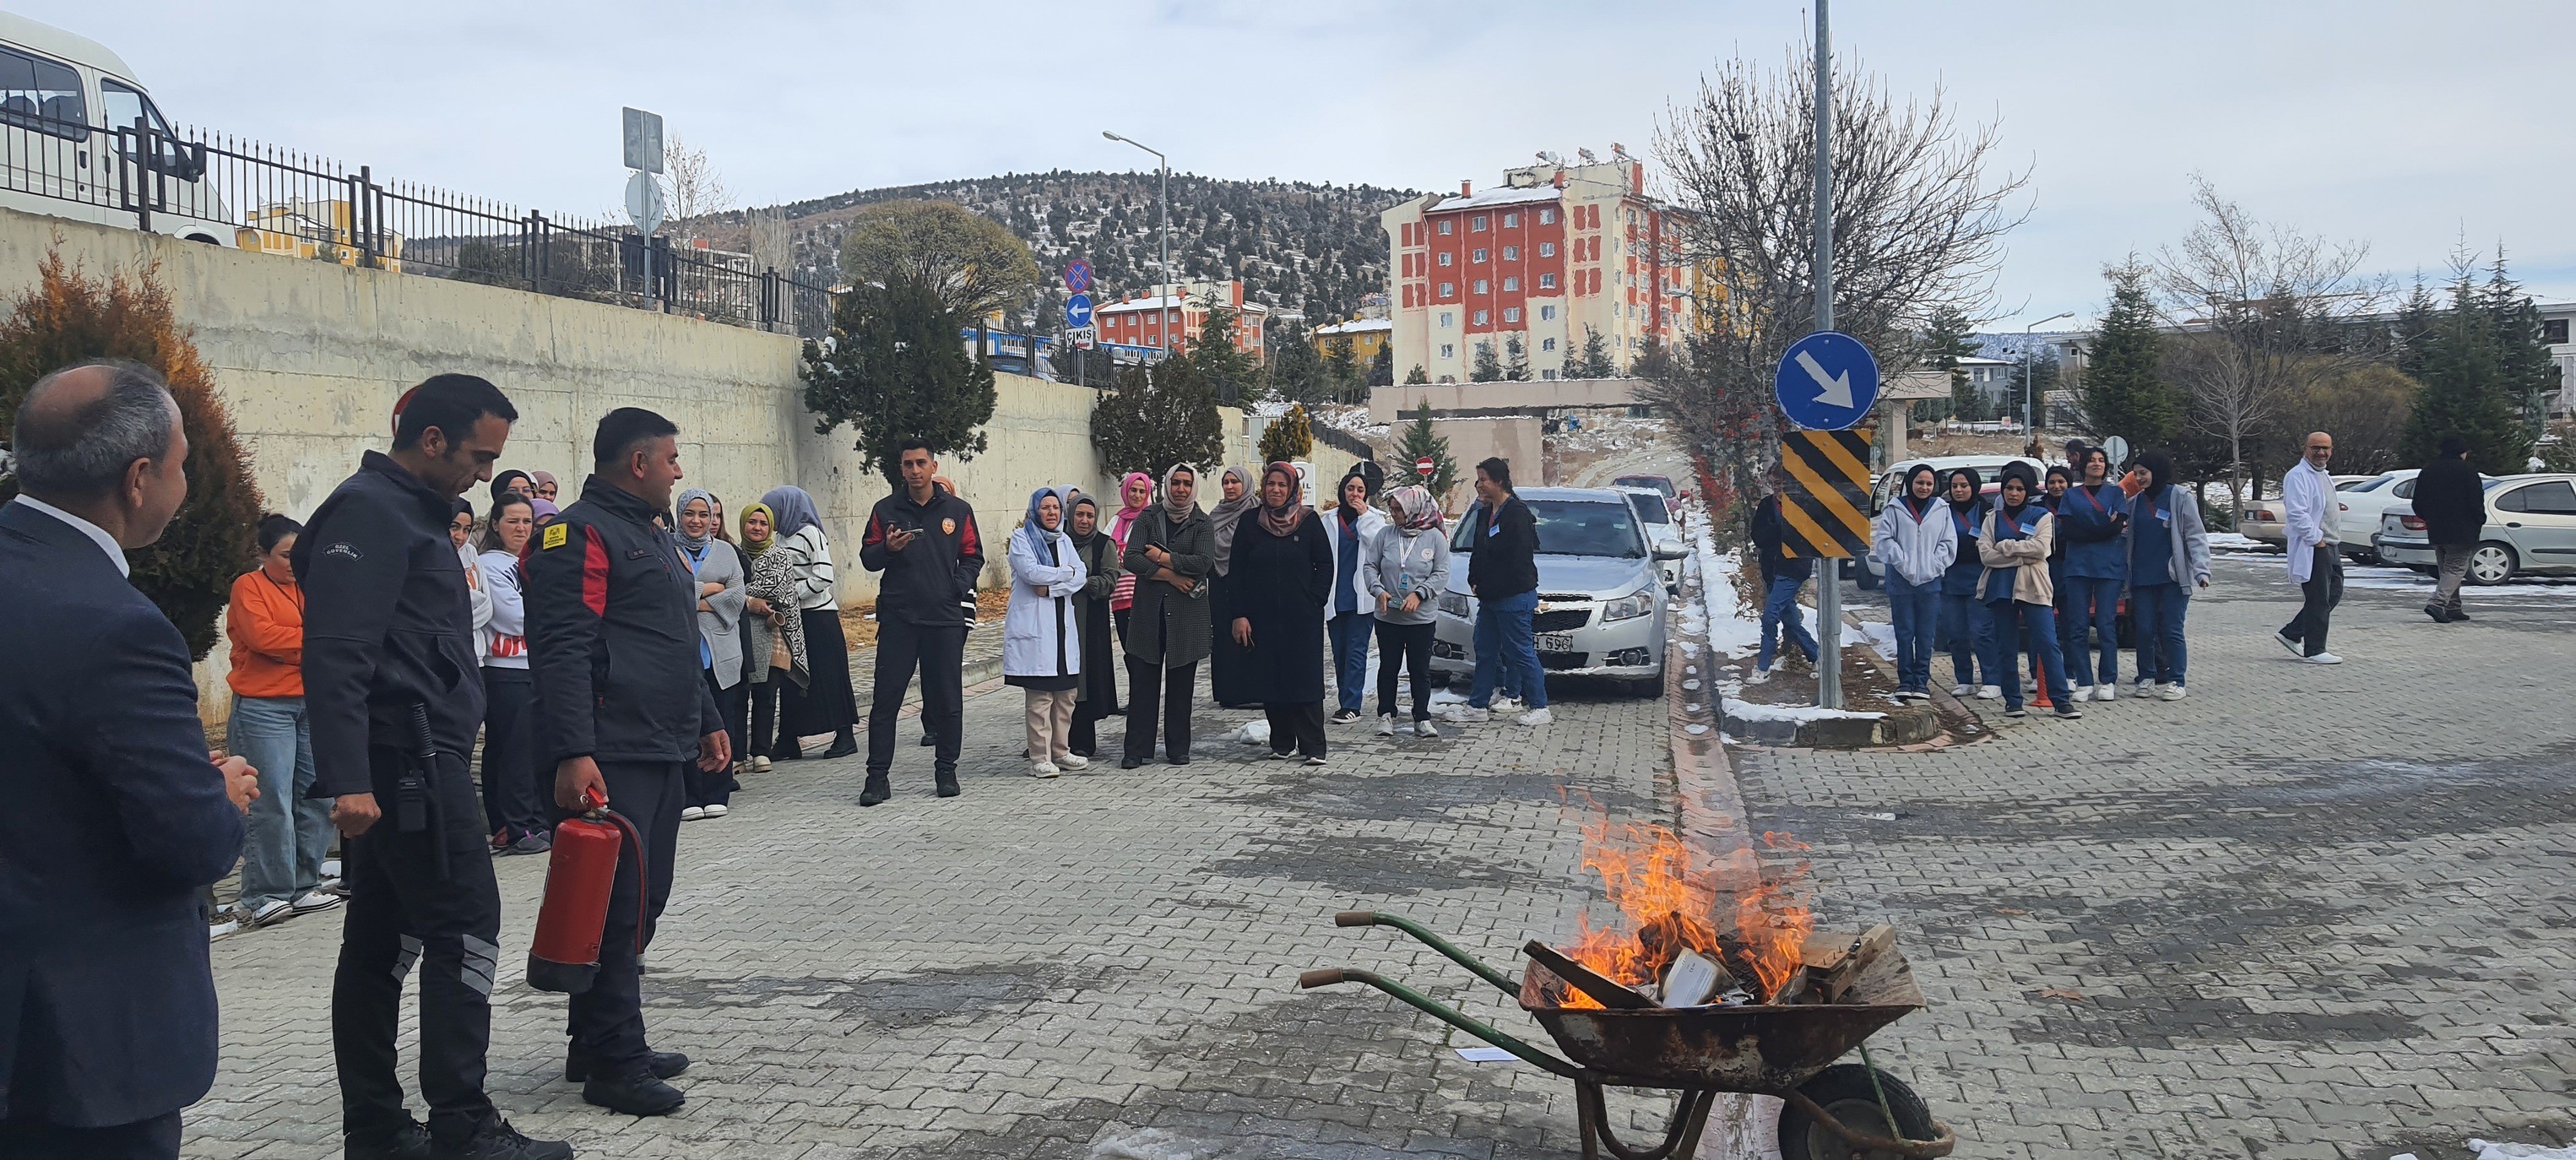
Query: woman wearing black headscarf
column 1961, row 614
column 1272, row 607
column 1099, row 556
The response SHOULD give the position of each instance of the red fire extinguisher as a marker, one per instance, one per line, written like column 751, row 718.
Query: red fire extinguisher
column 564, row 956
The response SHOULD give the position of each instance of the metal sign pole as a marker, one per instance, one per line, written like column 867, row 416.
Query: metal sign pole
column 1829, row 586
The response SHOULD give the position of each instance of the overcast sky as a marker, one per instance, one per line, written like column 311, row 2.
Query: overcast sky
column 2405, row 125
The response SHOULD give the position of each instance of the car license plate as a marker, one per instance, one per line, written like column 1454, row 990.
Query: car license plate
column 1556, row 642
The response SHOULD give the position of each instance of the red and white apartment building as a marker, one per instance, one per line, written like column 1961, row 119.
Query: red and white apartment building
column 1173, row 322
column 1556, row 249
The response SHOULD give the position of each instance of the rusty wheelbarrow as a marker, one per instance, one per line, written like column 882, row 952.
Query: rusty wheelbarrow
column 1837, row 1111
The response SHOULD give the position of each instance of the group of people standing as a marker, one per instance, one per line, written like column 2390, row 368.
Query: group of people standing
column 2036, row 570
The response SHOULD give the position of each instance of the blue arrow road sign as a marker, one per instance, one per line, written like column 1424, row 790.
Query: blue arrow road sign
column 1077, row 311
column 1826, row 381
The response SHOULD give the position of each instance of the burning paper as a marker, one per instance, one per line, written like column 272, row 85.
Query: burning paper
column 1671, row 902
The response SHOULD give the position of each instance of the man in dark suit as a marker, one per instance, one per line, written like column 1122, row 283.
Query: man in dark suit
column 116, row 818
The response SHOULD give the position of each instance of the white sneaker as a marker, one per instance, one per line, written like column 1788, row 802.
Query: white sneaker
column 1425, row 729
column 271, row 912
column 1505, row 706
column 330, row 868
column 2081, row 695
column 1386, row 725
column 2323, row 658
column 1042, row 769
column 717, row 811
column 760, row 764
column 1963, row 691
column 2171, row 693
column 1073, row 761
column 1990, row 692
column 2147, row 683
column 1465, row 715
column 2105, row 692
column 692, row 813
column 1537, row 716
column 2296, row 649
column 313, row 900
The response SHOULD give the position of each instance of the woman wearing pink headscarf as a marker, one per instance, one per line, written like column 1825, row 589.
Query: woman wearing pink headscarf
column 1135, row 494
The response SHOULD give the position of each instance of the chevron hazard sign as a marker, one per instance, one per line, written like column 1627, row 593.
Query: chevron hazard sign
column 1826, row 509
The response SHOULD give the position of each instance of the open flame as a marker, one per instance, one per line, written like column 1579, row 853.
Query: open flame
column 1755, row 926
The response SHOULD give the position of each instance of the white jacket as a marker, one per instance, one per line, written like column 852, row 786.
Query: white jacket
column 1041, row 634
column 504, row 640
column 2308, row 517
column 1365, row 531
column 1919, row 550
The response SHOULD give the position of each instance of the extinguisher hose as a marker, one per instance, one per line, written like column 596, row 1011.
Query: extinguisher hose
column 643, row 903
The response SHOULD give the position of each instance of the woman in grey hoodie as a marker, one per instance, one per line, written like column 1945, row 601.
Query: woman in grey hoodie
column 1405, row 568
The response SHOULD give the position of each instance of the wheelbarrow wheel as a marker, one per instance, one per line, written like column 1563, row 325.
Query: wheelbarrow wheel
column 1844, row 1091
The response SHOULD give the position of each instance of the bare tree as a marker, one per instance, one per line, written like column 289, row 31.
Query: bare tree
column 696, row 190
column 772, row 245
column 1920, row 212
column 2258, row 304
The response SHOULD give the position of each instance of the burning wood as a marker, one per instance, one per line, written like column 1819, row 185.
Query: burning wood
column 1752, row 939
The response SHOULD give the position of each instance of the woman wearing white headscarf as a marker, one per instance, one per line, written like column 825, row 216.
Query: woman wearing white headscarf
column 720, row 603
column 1041, row 633
column 1406, row 569
column 826, row 703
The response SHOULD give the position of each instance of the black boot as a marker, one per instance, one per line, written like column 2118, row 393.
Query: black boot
column 947, row 778
column 409, row 1142
column 844, row 743
column 663, row 1064
column 495, row 1139
column 786, row 749
column 877, row 790
column 641, row 1094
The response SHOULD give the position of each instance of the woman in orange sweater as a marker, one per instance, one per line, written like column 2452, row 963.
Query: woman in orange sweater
column 288, row 833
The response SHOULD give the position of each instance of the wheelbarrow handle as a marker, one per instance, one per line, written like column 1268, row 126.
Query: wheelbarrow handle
column 1436, row 1009
column 1502, row 982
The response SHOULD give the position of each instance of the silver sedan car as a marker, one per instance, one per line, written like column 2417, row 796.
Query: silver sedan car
column 1600, row 599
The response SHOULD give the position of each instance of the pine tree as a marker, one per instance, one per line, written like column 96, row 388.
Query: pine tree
column 1418, row 442
column 1945, row 342
column 1381, row 372
column 1417, row 376
column 1487, row 368
column 69, row 317
column 1296, row 372
column 1235, row 374
column 2123, row 392
column 2529, row 371
column 1157, row 418
column 1289, row 438
column 2466, row 391
column 1595, row 361
column 1342, row 369
column 893, row 370
column 2414, row 331
column 1515, row 359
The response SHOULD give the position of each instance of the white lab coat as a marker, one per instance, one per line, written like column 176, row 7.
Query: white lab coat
column 1364, row 533
column 1041, row 632
column 2308, row 517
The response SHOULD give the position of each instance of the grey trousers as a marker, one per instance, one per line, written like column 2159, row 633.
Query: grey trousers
column 2454, row 568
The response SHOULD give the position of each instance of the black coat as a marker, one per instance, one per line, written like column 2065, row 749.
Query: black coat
column 2452, row 502
column 613, row 636
column 1279, row 583
column 932, row 582
column 387, row 624
column 1504, row 561
column 1768, row 538
column 115, row 822
column 1166, row 627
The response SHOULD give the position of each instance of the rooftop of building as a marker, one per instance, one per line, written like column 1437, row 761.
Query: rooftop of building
column 1357, row 326
column 1494, row 197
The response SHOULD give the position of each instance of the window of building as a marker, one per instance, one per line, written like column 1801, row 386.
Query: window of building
column 1448, row 228
column 1484, row 286
column 1483, row 317
column 1448, row 289
column 1479, row 256
column 1547, row 281
column 1547, row 344
column 1511, row 284
column 1547, row 217
column 1548, row 373
column 1511, row 253
column 1478, row 224
column 1547, row 249
column 1448, row 350
column 1447, row 258
column 1448, row 318
column 1511, row 314
column 1547, row 314
column 2553, row 331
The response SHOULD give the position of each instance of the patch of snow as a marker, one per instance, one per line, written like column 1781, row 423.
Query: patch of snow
column 1151, row 1144
column 2487, row 1150
column 1255, row 732
column 1881, row 636
column 1748, row 711
column 1729, row 632
column 2232, row 540
column 1448, row 697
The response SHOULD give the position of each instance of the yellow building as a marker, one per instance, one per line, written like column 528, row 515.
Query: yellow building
column 300, row 229
column 1367, row 337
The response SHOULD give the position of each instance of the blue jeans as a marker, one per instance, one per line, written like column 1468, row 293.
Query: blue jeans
column 2094, row 602
column 286, row 834
column 1506, row 652
column 2158, row 610
column 2000, row 637
column 1963, row 626
column 1350, row 633
column 1915, row 610
column 1780, row 617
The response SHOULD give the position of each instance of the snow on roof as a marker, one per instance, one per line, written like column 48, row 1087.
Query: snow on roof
column 1497, row 197
column 1357, row 326
column 1163, row 300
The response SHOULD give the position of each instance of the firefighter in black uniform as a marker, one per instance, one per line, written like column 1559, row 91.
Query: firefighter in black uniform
column 923, row 537
column 613, row 641
column 395, row 696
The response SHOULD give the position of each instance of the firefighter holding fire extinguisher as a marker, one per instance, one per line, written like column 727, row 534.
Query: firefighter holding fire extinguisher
column 613, row 643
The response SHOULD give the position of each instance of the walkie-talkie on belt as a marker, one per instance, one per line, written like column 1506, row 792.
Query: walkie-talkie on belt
column 414, row 809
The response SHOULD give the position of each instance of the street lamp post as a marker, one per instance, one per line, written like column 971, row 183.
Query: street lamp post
column 2030, row 375
column 1165, row 269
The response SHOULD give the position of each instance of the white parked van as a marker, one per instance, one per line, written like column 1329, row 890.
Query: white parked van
column 69, row 145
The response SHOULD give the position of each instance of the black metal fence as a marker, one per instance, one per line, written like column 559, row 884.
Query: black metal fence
column 233, row 192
